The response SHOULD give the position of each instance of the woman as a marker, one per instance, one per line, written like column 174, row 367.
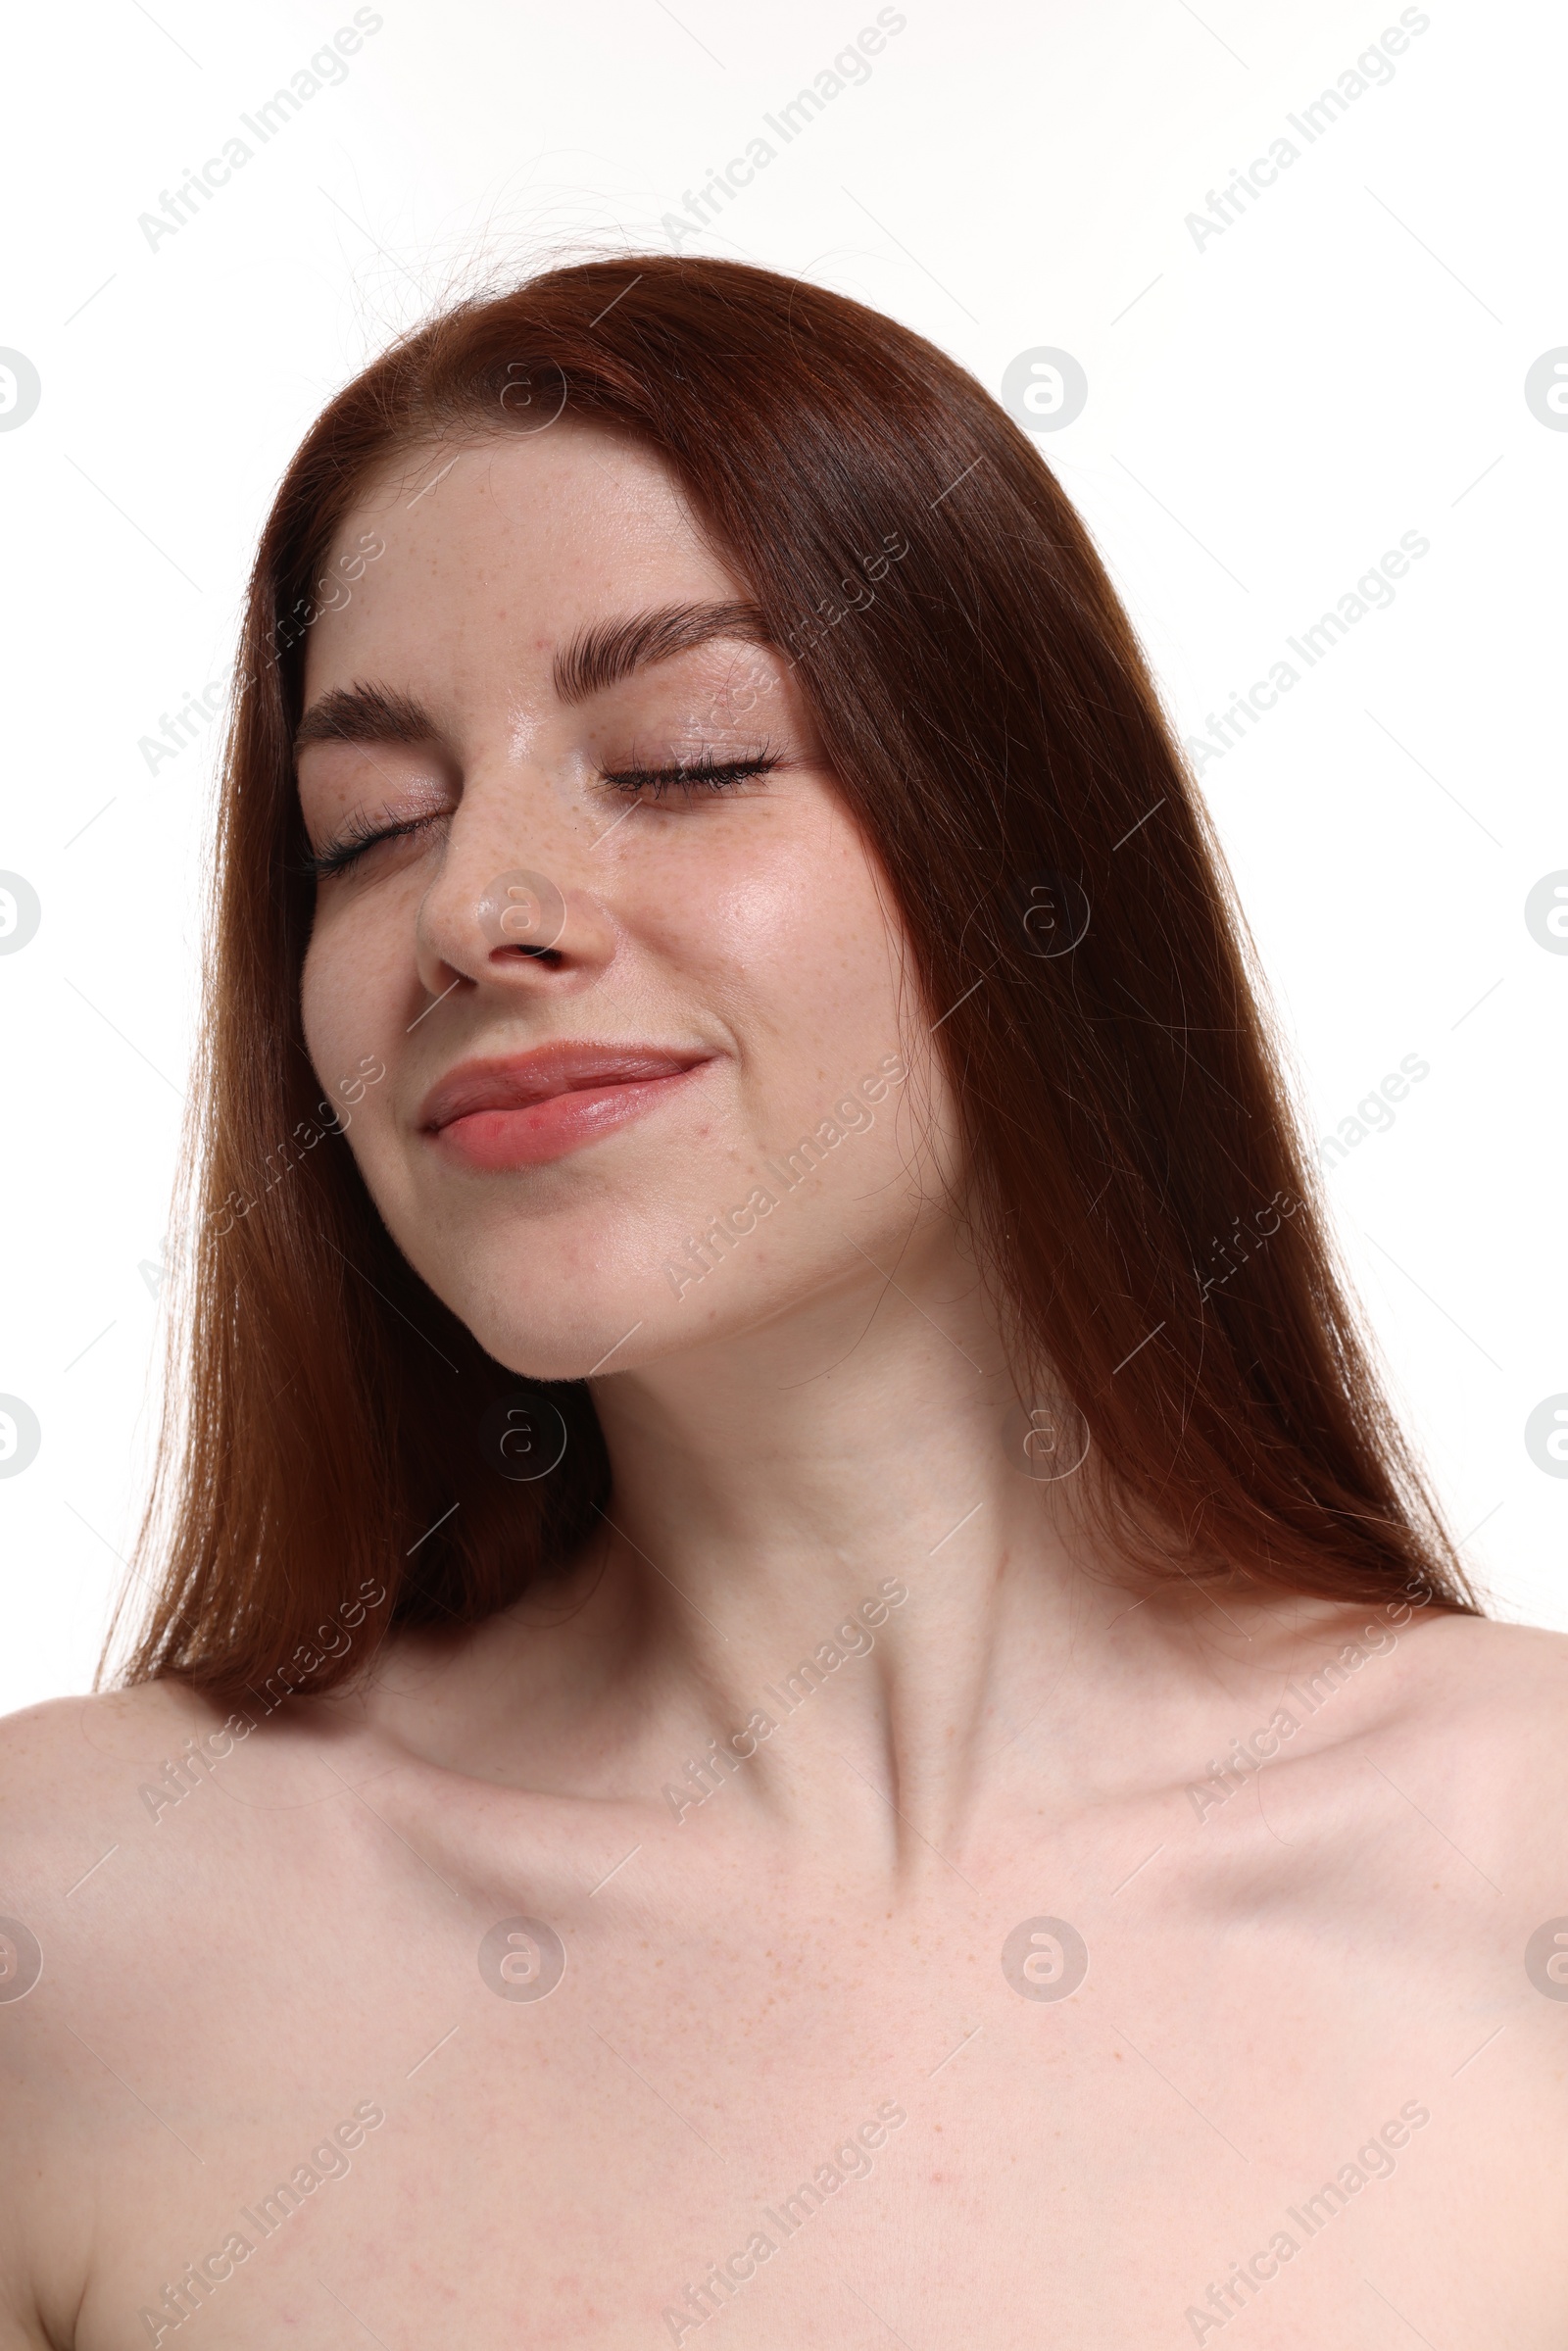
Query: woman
column 793, row 1681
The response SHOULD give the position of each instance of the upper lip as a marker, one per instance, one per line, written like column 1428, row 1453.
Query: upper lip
column 511, row 1081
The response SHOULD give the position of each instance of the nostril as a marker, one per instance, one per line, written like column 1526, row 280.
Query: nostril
column 523, row 913
column 551, row 957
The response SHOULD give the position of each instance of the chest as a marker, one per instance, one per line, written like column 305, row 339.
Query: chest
column 767, row 2121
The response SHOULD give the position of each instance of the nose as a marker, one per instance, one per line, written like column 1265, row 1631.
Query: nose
column 525, row 923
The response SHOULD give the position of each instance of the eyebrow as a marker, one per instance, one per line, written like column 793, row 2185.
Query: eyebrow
column 365, row 714
column 597, row 658
column 601, row 656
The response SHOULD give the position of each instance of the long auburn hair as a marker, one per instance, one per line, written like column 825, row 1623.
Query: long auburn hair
column 993, row 728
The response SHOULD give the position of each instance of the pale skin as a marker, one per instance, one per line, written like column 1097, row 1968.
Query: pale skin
column 759, row 1981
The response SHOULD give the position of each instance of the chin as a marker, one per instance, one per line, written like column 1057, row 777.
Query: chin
column 568, row 1350
column 609, row 1283
column 574, row 1327
column 565, row 1325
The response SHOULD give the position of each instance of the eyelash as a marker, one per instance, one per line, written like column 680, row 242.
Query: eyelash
column 707, row 774
column 361, row 833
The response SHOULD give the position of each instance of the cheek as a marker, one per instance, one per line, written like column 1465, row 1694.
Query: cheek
column 354, row 1003
column 335, row 1002
column 785, row 925
column 752, row 919
column 793, row 943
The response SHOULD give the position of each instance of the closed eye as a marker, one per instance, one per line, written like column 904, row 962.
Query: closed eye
column 694, row 776
column 706, row 775
column 359, row 834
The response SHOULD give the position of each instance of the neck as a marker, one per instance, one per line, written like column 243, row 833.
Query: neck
column 822, row 1523
column 827, row 1592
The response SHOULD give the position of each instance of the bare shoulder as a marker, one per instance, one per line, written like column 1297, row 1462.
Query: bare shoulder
column 100, row 1722
column 1474, row 1724
column 81, row 1780
column 1509, row 1681
column 91, row 1786
column 143, row 1828
column 1448, row 1727
column 70, row 1773
column 60, row 1762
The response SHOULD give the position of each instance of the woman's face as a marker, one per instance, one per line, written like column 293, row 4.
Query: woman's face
column 592, row 896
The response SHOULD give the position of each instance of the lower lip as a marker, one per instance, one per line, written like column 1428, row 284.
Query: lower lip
column 533, row 1135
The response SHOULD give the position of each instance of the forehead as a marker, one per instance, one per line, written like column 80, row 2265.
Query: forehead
column 461, row 545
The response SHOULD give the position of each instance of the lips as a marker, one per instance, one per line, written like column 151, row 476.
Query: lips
column 533, row 1107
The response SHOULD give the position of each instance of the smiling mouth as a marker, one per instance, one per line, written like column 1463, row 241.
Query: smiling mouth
column 538, row 1106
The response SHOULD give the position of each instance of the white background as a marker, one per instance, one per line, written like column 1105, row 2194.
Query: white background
column 1268, row 412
